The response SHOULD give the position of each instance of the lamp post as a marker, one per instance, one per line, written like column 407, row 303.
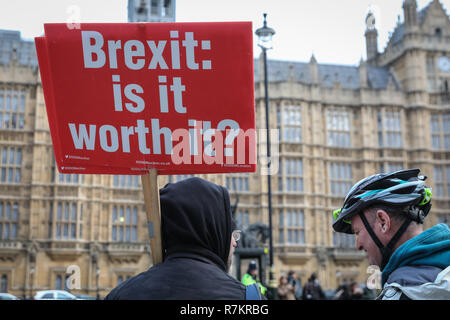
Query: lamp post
column 265, row 34
column 97, row 274
column 32, row 270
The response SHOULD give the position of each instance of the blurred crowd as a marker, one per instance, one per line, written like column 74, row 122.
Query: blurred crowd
column 290, row 288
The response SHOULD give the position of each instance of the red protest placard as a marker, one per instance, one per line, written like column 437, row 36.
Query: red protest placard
column 125, row 98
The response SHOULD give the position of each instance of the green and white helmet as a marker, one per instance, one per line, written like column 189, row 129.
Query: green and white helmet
column 403, row 189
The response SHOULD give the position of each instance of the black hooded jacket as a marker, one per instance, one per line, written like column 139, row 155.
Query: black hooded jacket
column 196, row 228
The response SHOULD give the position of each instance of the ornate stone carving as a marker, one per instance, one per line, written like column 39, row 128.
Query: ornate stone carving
column 255, row 235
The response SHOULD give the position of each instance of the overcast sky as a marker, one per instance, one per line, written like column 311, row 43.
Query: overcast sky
column 331, row 29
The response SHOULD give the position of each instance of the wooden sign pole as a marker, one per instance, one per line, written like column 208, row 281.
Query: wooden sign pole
column 153, row 210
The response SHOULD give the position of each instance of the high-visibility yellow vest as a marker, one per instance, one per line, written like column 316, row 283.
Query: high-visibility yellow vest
column 247, row 280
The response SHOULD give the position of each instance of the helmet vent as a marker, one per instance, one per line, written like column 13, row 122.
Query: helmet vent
column 407, row 190
column 351, row 202
column 381, row 184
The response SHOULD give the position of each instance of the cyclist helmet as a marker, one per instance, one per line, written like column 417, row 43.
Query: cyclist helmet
column 403, row 189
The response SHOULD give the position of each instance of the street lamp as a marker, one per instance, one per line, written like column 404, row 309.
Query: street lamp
column 97, row 274
column 265, row 42
column 32, row 280
column 265, row 36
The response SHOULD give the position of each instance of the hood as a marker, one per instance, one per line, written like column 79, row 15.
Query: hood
column 430, row 248
column 196, row 219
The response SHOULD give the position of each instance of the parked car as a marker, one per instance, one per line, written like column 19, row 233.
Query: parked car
column 85, row 297
column 8, row 296
column 54, row 295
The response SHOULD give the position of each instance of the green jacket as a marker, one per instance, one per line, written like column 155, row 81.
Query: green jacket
column 247, row 280
column 419, row 268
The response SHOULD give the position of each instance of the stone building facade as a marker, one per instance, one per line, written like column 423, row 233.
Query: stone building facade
column 337, row 124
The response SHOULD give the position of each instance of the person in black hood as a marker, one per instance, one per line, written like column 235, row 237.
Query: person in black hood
column 198, row 244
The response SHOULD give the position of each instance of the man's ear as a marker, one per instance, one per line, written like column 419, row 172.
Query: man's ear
column 383, row 221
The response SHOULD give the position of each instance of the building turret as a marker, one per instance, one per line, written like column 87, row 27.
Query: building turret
column 371, row 35
column 313, row 70
column 410, row 13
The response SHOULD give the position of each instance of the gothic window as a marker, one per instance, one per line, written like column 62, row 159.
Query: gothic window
column 293, row 175
column 124, row 223
column 243, row 219
column 441, row 181
column 70, row 178
column 292, row 121
column 154, row 8
column 126, row 181
column 435, row 126
column 344, row 240
column 340, row 175
column 10, row 165
column 238, row 182
column 292, row 227
column 389, row 129
column 9, row 219
column 440, row 131
column 295, row 227
column 68, row 222
column 338, row 128
column 12, row 109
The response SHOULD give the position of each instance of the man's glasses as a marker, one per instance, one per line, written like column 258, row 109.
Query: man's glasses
column 236, row 235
